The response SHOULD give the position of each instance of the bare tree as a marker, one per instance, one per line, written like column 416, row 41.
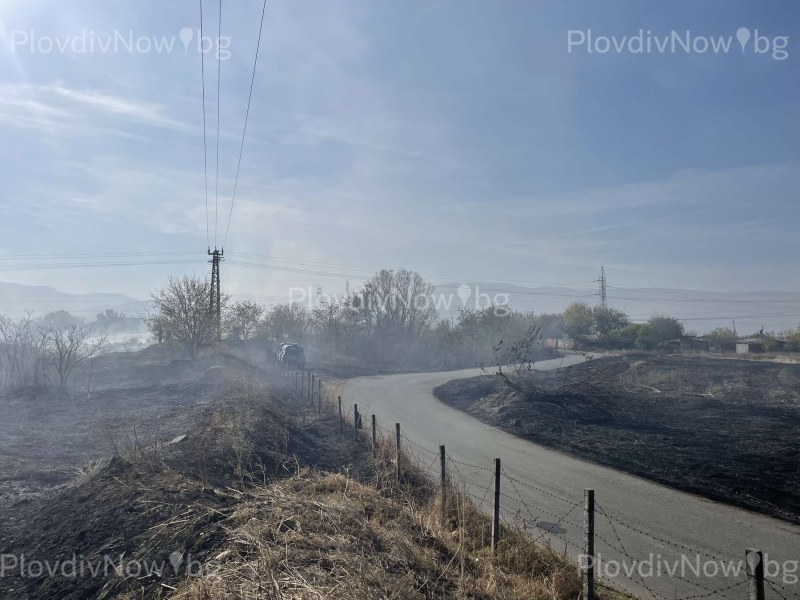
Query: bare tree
column 183, row 313
column 331, row 318
column 70, row 345
column 517, row 356
column 400, row 303
column 286, row 321
column 242, row 319
column 21, row 351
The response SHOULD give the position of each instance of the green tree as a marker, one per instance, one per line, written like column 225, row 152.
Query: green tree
column 659, row 329
column 607, row 320
column 623, row 338
column 578, row 320
column 723, row 339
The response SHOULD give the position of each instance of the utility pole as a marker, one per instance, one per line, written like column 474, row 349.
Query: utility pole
column 215, row 309
column 602, row 281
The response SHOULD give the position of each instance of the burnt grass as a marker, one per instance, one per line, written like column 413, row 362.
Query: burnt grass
column 172, row 448
column 728, row 430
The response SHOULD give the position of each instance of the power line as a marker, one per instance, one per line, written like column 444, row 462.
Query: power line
column 372, row 270
column 246, row 115
column 219, row 77
column 205, row 147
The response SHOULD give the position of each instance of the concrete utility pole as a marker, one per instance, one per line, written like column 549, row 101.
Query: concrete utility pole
column 215, row 308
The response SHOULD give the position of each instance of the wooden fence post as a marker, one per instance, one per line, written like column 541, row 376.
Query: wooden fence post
column 397, row 450
column 496, row 515
column 310, row 396
column 319, row 396
column 443, row 461
column 355, row 423
column 374, row 435
column 340, row 414
column 755, row 573
column 588, row 544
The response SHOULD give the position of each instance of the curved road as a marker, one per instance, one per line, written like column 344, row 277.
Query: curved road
column 550, row 484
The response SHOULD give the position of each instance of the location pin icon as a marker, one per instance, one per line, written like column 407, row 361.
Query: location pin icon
column 464, row 292
column 175, row 559
column 743, row 35
column 186, row 34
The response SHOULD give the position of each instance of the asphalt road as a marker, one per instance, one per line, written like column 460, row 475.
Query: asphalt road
column 686, row 536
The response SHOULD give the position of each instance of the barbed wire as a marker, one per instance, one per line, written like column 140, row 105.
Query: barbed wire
column 624, row 551
column 423, row 448
column 471, row 466
column 516, row 517
column 666, row 541
column 558, row 522
column 538, row 489
column 512, row 481
column 772, row 584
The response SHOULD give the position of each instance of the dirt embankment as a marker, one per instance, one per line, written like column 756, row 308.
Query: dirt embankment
column 725, row 429
column 249, row 496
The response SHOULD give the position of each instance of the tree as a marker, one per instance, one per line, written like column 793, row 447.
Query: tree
column 21, row 352
column 331, row 318
column 551, row 325
column 659, row 329
column 241, row 320
column 792, row 338
column 60, row 318
column 607, row 320
column 287, row 321
column 722, row 339
column 399, row 303
column 183, row 313
column 110, row 320
column 69, row 346
column 625, row 337
column 578, row 320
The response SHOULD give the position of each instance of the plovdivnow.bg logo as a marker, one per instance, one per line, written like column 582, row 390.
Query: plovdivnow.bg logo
column 81, row 567
column 469, row 297
column 744, row 41
column 118, row 42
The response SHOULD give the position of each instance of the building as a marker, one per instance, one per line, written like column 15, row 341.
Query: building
column 749, row 346
column 693, row 344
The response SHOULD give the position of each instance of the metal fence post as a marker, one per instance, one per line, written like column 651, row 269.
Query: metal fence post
column 374, row 435
column 397, row 449
column 496, row 515
column 755, row 573
column 340, row 414
column 355, row 423
column 588, row 544
column 319, row 396
column 443, row 461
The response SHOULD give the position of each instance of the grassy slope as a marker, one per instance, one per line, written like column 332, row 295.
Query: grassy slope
column 273, row 503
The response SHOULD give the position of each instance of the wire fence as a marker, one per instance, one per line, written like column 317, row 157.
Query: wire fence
column 547, row 517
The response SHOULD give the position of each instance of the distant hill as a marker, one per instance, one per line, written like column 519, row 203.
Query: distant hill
column 17, row 299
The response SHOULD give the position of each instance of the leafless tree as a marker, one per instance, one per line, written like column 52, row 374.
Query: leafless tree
column 241, row 320
column 70, row 345
column 288, row 321
column 21, row 352
column 183, row 313
column 332, row 319
column 400, row 303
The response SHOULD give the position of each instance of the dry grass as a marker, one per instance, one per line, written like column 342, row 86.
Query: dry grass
column 323, row 535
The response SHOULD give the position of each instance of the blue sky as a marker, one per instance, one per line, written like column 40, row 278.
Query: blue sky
column 458, row 138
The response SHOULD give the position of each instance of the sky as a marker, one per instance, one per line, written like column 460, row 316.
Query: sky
column 513, row 141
